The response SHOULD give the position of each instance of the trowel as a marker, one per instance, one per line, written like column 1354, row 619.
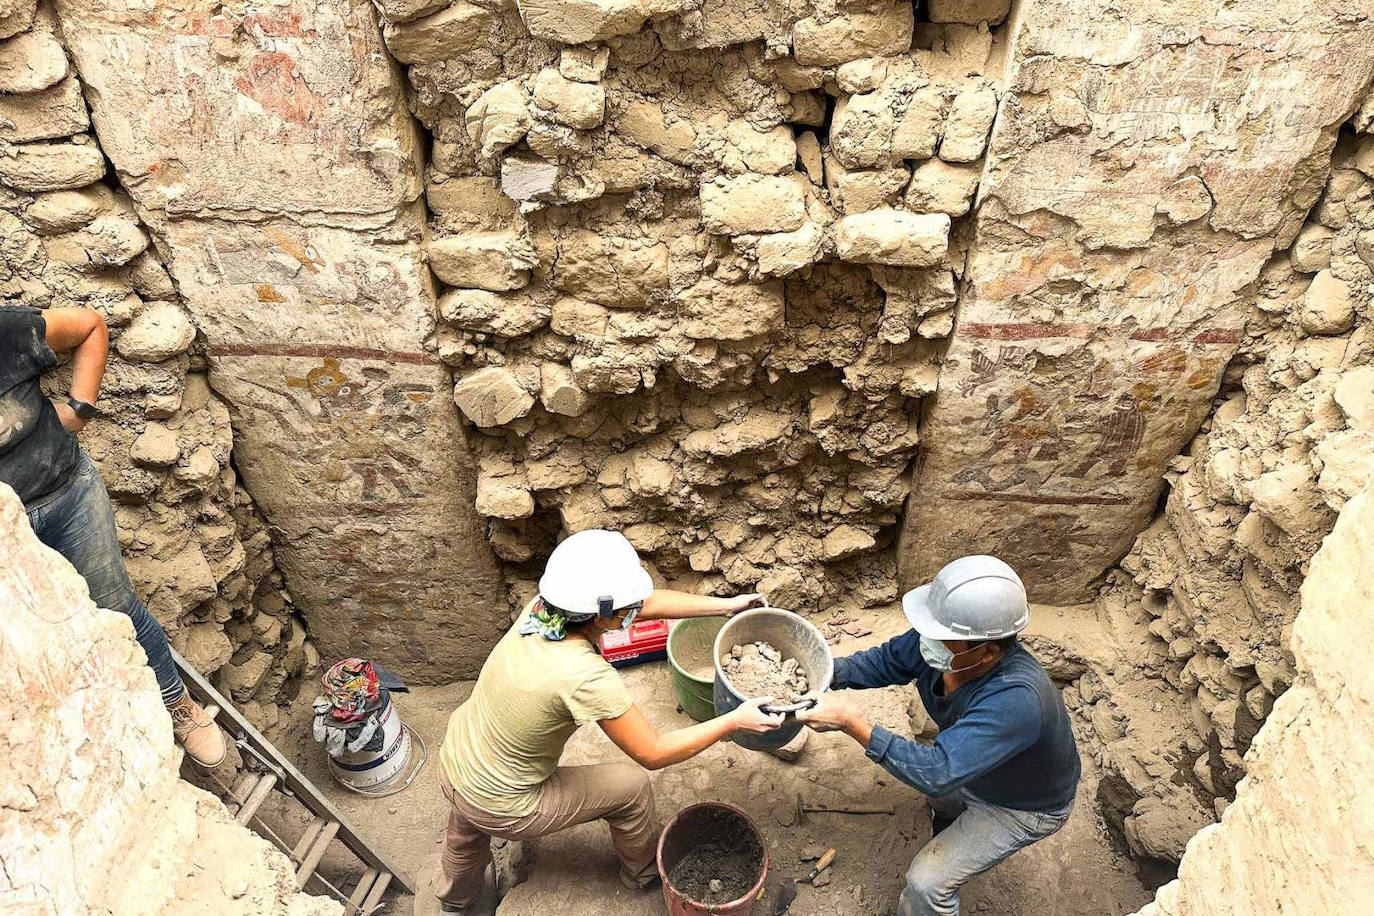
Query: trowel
column 788, row 892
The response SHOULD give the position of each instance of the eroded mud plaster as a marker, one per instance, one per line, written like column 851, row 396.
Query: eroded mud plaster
column 269, row 149
column 195, row 545
column 1293, row 840
column 93, row 815
column 1147, row 159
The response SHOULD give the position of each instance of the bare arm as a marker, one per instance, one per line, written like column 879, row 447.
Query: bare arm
column 81, row 332
column 666, row 604
column 637, row 737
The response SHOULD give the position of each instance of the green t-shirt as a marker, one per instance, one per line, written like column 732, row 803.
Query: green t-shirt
column 533, row 693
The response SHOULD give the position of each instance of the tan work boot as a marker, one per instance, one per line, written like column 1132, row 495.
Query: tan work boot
column 197, row 733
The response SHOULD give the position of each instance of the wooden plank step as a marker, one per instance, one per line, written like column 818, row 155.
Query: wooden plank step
column 307, row 840
column 316, row 853
column 355, row 899
column 374, row 897
column 256, row 796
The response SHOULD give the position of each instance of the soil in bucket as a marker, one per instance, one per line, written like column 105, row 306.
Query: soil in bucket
column 757, row 669
column 722, row 862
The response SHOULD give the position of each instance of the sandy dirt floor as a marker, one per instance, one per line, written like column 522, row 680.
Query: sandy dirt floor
column 1074, row 873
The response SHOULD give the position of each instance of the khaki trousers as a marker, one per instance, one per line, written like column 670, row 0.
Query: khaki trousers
column 618, row 793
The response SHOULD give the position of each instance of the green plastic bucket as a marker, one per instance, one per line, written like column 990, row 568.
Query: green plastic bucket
column 690, row 645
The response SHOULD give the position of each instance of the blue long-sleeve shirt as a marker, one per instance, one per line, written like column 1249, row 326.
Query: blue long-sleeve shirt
column 1005, row 736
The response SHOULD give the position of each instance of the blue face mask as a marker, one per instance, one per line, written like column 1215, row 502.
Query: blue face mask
column 937, row 655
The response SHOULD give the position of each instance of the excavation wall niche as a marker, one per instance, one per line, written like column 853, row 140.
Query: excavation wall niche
column 93, row 816
column 270, row 151
column 195, row 545
column 697, row 263
column 1296, row 838
column 1147, row 160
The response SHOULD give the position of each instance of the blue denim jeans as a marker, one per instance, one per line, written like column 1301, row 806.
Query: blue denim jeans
column 982, row 835
column 78, row 522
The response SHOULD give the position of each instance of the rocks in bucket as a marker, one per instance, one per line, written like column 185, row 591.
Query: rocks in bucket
column 758, row 670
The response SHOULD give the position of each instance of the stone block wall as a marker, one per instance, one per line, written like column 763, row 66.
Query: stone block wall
column 93, row 815
column 697, row 261
column 197, row 549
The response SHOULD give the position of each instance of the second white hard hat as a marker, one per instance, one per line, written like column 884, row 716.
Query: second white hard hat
column 976, row 597
column 590, row 567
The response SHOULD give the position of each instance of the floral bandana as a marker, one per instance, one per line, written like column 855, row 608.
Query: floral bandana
column 548, row 622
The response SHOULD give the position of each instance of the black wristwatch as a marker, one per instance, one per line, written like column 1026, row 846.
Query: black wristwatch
column 84, row 410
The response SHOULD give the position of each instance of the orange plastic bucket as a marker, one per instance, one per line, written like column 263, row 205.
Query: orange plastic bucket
column 702, row 824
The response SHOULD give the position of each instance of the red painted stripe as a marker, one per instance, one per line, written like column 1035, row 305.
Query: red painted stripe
column 317, row 351
column 1011, row 330
column 1025, row 331
column 1040, row 499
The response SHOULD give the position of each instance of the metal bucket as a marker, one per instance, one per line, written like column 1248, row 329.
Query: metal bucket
column 792, row 635
column 377, row 771
column 689, row 654
column 689, row 828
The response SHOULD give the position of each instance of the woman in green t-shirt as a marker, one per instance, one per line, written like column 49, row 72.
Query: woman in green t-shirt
column 543, row 681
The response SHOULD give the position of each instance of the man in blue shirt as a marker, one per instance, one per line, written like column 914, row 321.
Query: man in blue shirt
column 1003, row 771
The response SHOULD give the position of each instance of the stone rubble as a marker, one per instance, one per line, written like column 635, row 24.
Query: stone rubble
column 665, row 292
column 757, row 669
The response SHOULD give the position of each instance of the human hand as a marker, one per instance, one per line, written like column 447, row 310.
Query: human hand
column 743, row 603
column 70, row 421
column 750, row 717
column 831, row 713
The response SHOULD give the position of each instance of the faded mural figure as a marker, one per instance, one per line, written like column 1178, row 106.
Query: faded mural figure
column 370, row 411
column 985, row 369
column 1049, row 537
column 1120, row 437
column 373, row 414
column 1020, row 428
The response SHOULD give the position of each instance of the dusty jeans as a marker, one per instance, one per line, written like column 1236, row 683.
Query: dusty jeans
column 618, row 793
column 982, row 835
column 78, row 522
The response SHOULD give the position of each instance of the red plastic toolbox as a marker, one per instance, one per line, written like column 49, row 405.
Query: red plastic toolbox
column 644, row 641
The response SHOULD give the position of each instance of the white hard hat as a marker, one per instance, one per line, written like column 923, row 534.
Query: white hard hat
column 977, row 597
column 593, row 572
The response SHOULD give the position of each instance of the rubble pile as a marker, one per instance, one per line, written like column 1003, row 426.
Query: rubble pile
column 757, row 669
column 693, row 252
column 197, row 550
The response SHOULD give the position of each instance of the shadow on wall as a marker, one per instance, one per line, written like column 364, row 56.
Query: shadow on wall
column 1291, row 841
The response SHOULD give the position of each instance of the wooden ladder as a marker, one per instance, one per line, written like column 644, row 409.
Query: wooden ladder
column 268, row 771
